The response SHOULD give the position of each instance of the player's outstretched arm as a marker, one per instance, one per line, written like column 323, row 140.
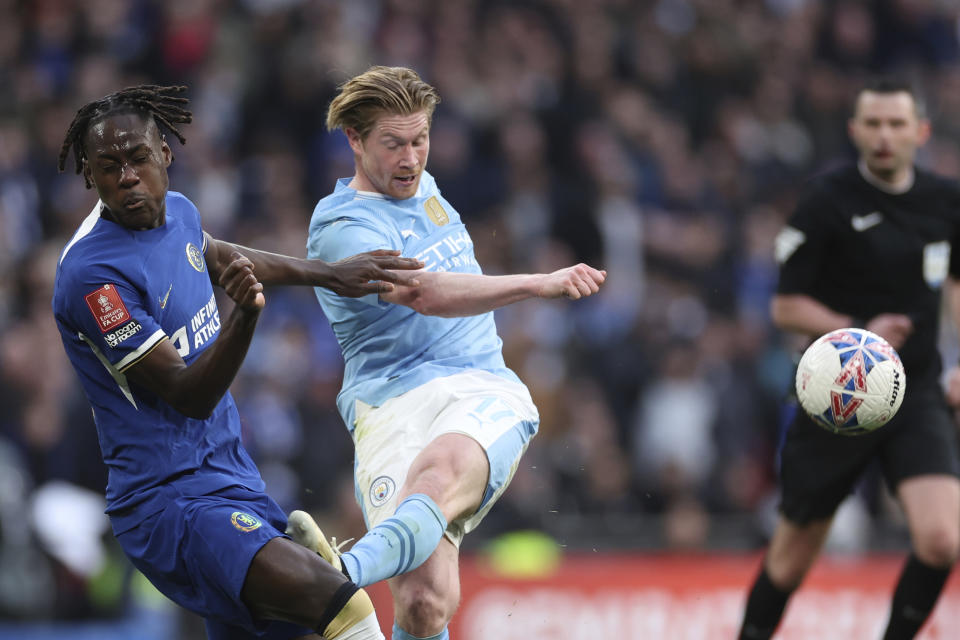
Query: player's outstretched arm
column 451, row 294
column 803, row 314
column 371, row 272
column 195, row 390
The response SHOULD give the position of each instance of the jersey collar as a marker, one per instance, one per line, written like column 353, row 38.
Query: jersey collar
column 896, row 189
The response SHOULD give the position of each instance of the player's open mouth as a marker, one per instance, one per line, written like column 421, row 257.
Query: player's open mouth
column 406, row 180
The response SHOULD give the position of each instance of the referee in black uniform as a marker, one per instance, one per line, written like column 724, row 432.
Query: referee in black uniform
column 870, row 246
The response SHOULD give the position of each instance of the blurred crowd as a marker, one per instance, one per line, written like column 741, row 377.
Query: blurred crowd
column 662, row 140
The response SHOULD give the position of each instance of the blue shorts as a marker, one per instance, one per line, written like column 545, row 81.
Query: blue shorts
column 197, row 552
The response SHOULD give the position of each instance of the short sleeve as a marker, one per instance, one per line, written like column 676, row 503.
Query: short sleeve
column 801, row 245
column 344, row 238
column 109, row 314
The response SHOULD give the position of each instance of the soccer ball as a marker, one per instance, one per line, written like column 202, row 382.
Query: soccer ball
column 851, row 381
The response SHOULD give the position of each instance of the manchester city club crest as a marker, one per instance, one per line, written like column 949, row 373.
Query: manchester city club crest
column 195, row 257
column 244, row 521
column 381, row 490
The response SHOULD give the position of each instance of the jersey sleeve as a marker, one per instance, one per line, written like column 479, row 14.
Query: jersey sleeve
column 110, row 315
column 344, row 238
column 801, row 245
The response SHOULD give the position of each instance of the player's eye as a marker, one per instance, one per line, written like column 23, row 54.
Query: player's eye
column 141, row 158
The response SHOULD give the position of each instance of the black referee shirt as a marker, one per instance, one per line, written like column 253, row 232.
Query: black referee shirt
column 863, row 251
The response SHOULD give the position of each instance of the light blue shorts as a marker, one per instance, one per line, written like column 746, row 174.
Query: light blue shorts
column 498, row 413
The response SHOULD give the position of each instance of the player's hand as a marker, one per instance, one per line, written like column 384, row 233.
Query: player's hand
column 953, row 388
column 895, row 328
column 578, row 281
column 240, row 283
column 371, row 273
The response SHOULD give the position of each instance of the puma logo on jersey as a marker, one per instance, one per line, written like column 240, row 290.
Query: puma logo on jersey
column 862, row 223
column 408, row 233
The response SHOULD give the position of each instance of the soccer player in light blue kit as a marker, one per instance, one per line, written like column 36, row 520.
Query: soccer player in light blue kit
column 438, row 420
column 134, row 303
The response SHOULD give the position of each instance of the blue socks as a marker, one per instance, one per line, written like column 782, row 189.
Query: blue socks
column 398, row 544
column 400, row 634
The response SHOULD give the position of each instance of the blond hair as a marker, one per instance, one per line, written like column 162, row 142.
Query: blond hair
column 379, row 90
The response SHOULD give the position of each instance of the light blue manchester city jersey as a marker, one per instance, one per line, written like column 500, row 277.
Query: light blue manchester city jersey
column 389, row 349
column 118, row 294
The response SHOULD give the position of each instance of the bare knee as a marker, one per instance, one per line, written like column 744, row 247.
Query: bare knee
column 452, row 470
column 435, row 479
column 793, row 550
column 423, row 612
column 787, row 571
column 938, row 545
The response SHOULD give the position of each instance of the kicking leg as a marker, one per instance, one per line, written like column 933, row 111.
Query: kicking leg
column 446, row 481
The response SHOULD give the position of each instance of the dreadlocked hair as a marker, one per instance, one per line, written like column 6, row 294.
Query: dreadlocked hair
column 162, row 103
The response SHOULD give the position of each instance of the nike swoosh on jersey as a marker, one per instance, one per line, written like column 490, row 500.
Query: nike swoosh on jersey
column 862, row 223
column 163, row 302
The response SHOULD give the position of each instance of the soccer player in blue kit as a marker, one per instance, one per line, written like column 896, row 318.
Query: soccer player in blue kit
column 135, row 306
column 438, row 420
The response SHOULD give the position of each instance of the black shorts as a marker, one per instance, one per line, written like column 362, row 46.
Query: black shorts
column 818, row 469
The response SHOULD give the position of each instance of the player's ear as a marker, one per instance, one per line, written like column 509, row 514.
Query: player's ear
column 923, row 131
column 166, row 152
column 355, row 139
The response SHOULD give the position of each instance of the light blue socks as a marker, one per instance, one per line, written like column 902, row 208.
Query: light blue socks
column 400, row 634
column 398, row 544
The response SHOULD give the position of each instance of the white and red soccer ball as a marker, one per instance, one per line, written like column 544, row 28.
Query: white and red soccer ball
column 851, row 381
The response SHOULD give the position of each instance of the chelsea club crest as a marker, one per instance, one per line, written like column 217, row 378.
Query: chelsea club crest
column 244, row 521
column 194, row 257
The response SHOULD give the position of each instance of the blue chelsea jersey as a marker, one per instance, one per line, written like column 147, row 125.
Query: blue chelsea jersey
column 389, row 349
column 118, row 294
